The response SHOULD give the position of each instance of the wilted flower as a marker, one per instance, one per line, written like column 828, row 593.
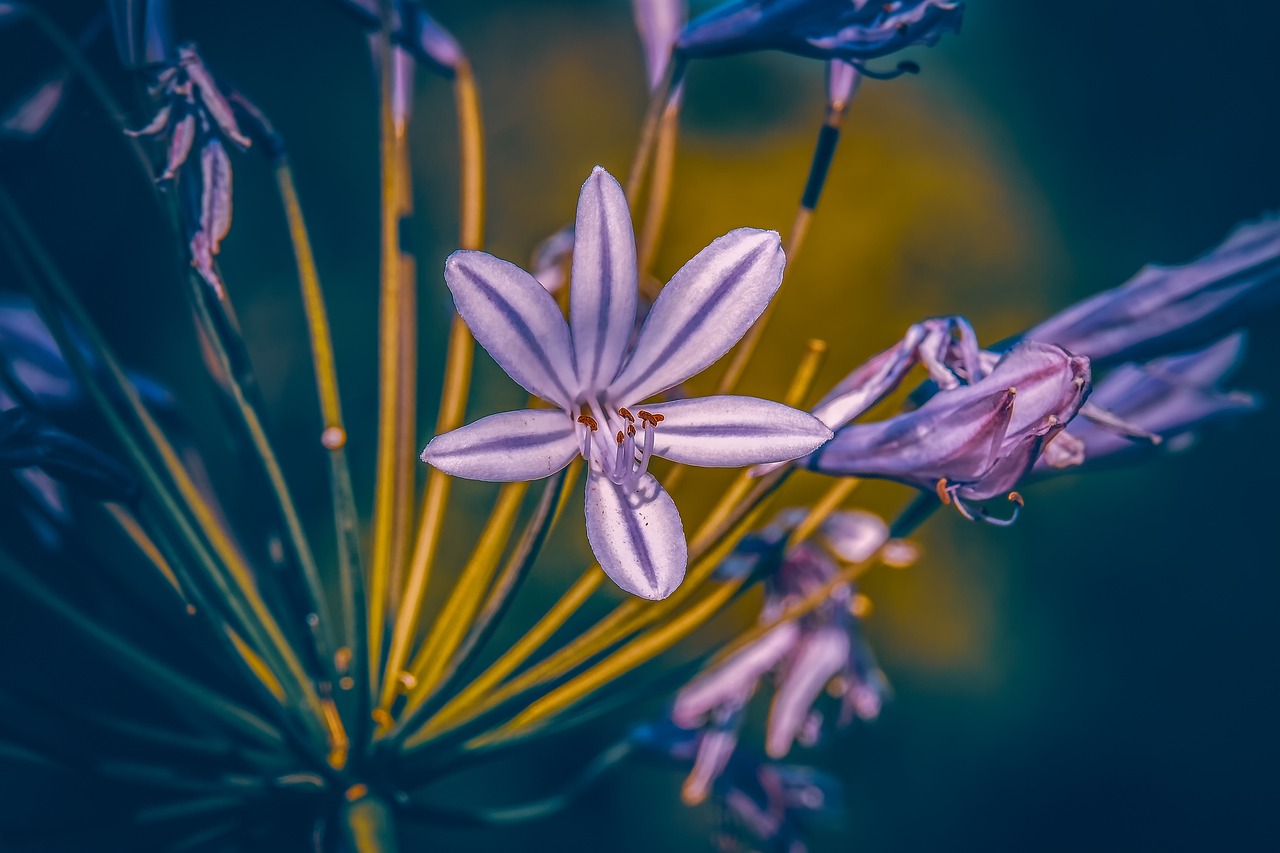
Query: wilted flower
column 414, row 31
column 197, row 115
column 632, row 523
column 761, row 802
column 1165, row 310
column 850, row 30
column 804, row 655
column 1170, row 398
column 973, row 442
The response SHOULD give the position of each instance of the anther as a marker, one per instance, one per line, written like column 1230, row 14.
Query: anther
column 626, row 413
column 943, row 494
column 631, row 430
column 589, row 421
column 645, row 416
column 657, row 418
column 620, row 437
column 1017, row 498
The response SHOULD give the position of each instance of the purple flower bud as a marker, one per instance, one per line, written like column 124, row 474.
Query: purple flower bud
column 1165, row 310
column 852, row 30
column 1168, row 398
column 32, row 114
column 28, row 440
column 972, row 442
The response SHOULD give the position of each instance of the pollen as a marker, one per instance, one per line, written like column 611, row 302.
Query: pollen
column 631, row 430
column 620, row 437
column 588, row 421
column 626, row 413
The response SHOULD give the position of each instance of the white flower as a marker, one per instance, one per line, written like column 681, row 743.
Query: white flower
column 598, row 384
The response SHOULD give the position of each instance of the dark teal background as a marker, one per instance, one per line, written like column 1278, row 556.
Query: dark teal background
column 1126, row 689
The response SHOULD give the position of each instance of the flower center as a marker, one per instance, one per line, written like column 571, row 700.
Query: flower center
column 627, row 460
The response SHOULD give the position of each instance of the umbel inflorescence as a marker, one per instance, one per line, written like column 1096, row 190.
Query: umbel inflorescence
column 319, row 703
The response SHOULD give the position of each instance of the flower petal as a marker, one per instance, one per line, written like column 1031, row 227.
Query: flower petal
column 602, row 297
column 730, row 432
column 638, row 537
column 516, row 321
column 732, row 682
column 703, row 311
column 821, row 656
column 524, row 445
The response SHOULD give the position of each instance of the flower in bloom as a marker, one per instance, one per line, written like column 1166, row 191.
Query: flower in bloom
column 823, row 650
column 763, row 805
column 598, row 381
column 973, row 442
column 1169, row 397
column 1165, row 310
column 850, row 30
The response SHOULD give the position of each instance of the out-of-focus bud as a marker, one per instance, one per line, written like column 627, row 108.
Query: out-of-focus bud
column 31, row 115
column 143, row 32
column 843, row 81
column 852, row 30
column 1165, row 310
column 413, row 30
column 659, row 23
column 27, row 441
column 552, row 258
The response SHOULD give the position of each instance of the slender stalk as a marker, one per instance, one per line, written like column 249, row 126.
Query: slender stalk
column 368, row 824
column 658, row 101
column 521, row 560
column 132, row 529
column 390, row 351
column 660, row 192
column 454, row 394
column 188, row 509
column 354, row 635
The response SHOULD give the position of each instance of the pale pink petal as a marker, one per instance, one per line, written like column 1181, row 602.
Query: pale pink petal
column 516, row 321
column 732, row 682
column 524, row 445
column 821, row 656
column 636, row 535
column 703, row 311
column 729, row 432
column 602, row 298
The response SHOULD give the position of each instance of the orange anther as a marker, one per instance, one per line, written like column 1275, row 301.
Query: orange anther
column 943, row 494
column 620, row 437
column 626, row 413
column 589, row 421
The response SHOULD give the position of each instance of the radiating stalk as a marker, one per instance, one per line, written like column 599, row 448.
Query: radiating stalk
column 660, row 192
column 392, row 301
column 453, row 398
column 334, row 439
column 658, row 101
column 187, row 510
column 368, row 824
column 130, row 527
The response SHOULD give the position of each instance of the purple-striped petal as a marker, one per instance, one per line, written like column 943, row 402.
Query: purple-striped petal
column 703, row 311
column 730, row 432
column 524, row 445
column 516, row 321
column 821, row 656
column 636, row 535
column 602, row 296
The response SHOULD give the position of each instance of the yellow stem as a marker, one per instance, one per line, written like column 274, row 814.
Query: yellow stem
column 659, row 194
column 747, row 346
column 454, row 394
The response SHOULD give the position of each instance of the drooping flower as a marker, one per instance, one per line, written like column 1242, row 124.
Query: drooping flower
column 824, row 649
column 850, row 30
column 414, row 31
column 1169, row 398
column 196, row 115
column 1164, row 310
column 763, row 805
column 598, row 382
column 659, row 23
column 973, row 442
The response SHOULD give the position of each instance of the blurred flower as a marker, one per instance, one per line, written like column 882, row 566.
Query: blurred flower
column 1170, row 398
column 969, row 443
column 413, row 30
column 551, row 259
column 762, row 803
column 28, row 440
column 143, row 32
column 31, row 115
column 632, row 523
column 850, row 30
column 1165, row 310
column 659, row 23
column 805, row 655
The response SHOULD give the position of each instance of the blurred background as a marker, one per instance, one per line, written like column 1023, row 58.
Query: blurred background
column 1100, row 676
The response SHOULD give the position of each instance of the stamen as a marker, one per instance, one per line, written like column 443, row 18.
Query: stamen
column 626, row 413
column 645, row 416
column 589, row 421
column 619, row 438
column 631, row 430
column 944, row 494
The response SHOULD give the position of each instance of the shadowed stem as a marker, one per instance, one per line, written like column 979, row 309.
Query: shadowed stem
column 368, row 825
column 187, row 510
column 659, row 100
column 334, row 438
column 659, row 194
column 453, row 398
